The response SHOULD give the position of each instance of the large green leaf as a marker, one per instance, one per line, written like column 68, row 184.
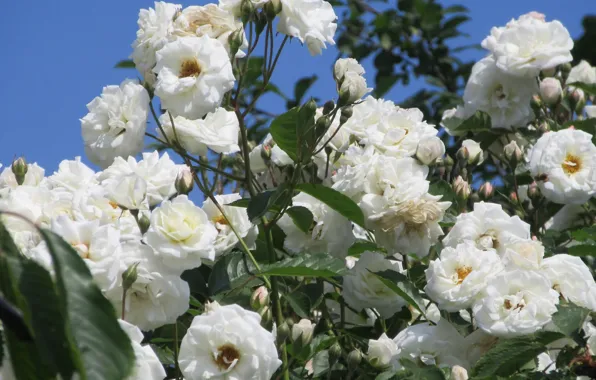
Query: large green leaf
column 262, row 203
column 478, row 122
column 403, row 287
column 229, row 272
column 509, row 355
column 319, row 265
column 299, row 302
column 362, row 246
column 283, row 131
column 104, row 348
column 570, row 318
column 588, row 249
column 334, row 199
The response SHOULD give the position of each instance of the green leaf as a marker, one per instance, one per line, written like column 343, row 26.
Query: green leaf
column 263, row 202
column 125, row 64
column 299, row 302
column 104, row 348
column 443, row 188
column 478, row 122
column 583, row 234
column 362, row 246
column 588, row 88
column 302, row 217
column 569, row 318
column 48, row 321
column 413, row 371
column 284, row 133
column 524, row 178
column 319, row 265
column 229, row 272
column 587, row 125
column 582, row 250
column 402, row 286
column 509, row 355
column 334, row 199
column 196, row 282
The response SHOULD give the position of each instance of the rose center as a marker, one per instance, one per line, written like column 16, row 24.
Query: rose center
column 572, row 164
column 220, row 219
column 462, row 273
column 190, row 68
column 226, row 356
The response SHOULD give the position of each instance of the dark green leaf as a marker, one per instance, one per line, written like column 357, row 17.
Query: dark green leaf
column 300, row 303
column 443, row 188
column 302, row 217
column 283, row 131
column 413, row 371
column 583, row 234
column 587, row 125
column 104, row 348
column 262, row 203
column 334, row 199
column 196, row 282
column 229, row 271
column 583, row 250
column 509, row 355
column 522, row 178
column 569, row 318
column 362, row 246
column 125, row 64
column 478, row 122
column 403, row 287
column 320, row 363
column 319, row 265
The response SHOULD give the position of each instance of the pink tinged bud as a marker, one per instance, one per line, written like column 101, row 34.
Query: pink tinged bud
column 461, row 188
column 550, row 91
column 486, row 191
column 259, row 298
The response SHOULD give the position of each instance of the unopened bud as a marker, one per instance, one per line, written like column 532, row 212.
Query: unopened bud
column 283, row 333
column 461, row 188
column 476, row 155
column 247, row 10
column 354, row 359
column 144, row 223
column 259, row 298
column 565, row 69
column 19, row 169
column 534, row 193
column 536, row 103
column 323, row 123
column 311, row 106
column 577, row 98
column 449, row 162
column 513, row 153
column 266, row 316
column 459, row 373
column 429, row 150
column 266, row 152
column 260, row 21
column 303, row 331
column 462, row 156
column 486, row 191
column 334, row 353
column 328, row 107
column 235, row 40
column 550, row 91
column 129, row 277
column 513, row 196
column 272, row 8
column 549, row 72
column 184, row 182
column 346, row 114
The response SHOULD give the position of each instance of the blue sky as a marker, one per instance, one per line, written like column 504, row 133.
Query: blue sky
column 57, row 56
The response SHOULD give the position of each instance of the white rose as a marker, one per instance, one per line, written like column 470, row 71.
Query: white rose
column 524, row 254
column 529, row 45
column 566, row 160
column 506, row 98
column 429, row 150
column 228, row 342
column 382, row 353
column 550, row 91
column 515, row 303
column 129, row 192
column 218, row 131
column 311, row 21
column 572, row 278
column 369, row 114
column 181, row 234
column 346, row 65
column 303, row 330
column 116, row 123
column 583, row 73
column 439, row 345
column 362, row 289
column 455, row 279
column 331, row 232
column 226, row 239
column 489, row 227
column 475, row 151
column 209, row 20
column 72, row 175
column 193, row 74
column 158, row 172
column 147, row 364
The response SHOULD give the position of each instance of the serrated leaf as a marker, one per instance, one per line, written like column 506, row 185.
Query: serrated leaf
column 509, row 355
column 229, row 272
column 262, row 203
column 318, row 265
column 403, row 287
column 125, row 64
column 302, row 217
column 443, row 188
column 299, row 302
column 362, row 246
column 584, row 234
column 570, row 318
column 104, row 348
column 478, row 122
column 334, row 199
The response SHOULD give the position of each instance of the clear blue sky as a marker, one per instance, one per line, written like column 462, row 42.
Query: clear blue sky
column 57, row 56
